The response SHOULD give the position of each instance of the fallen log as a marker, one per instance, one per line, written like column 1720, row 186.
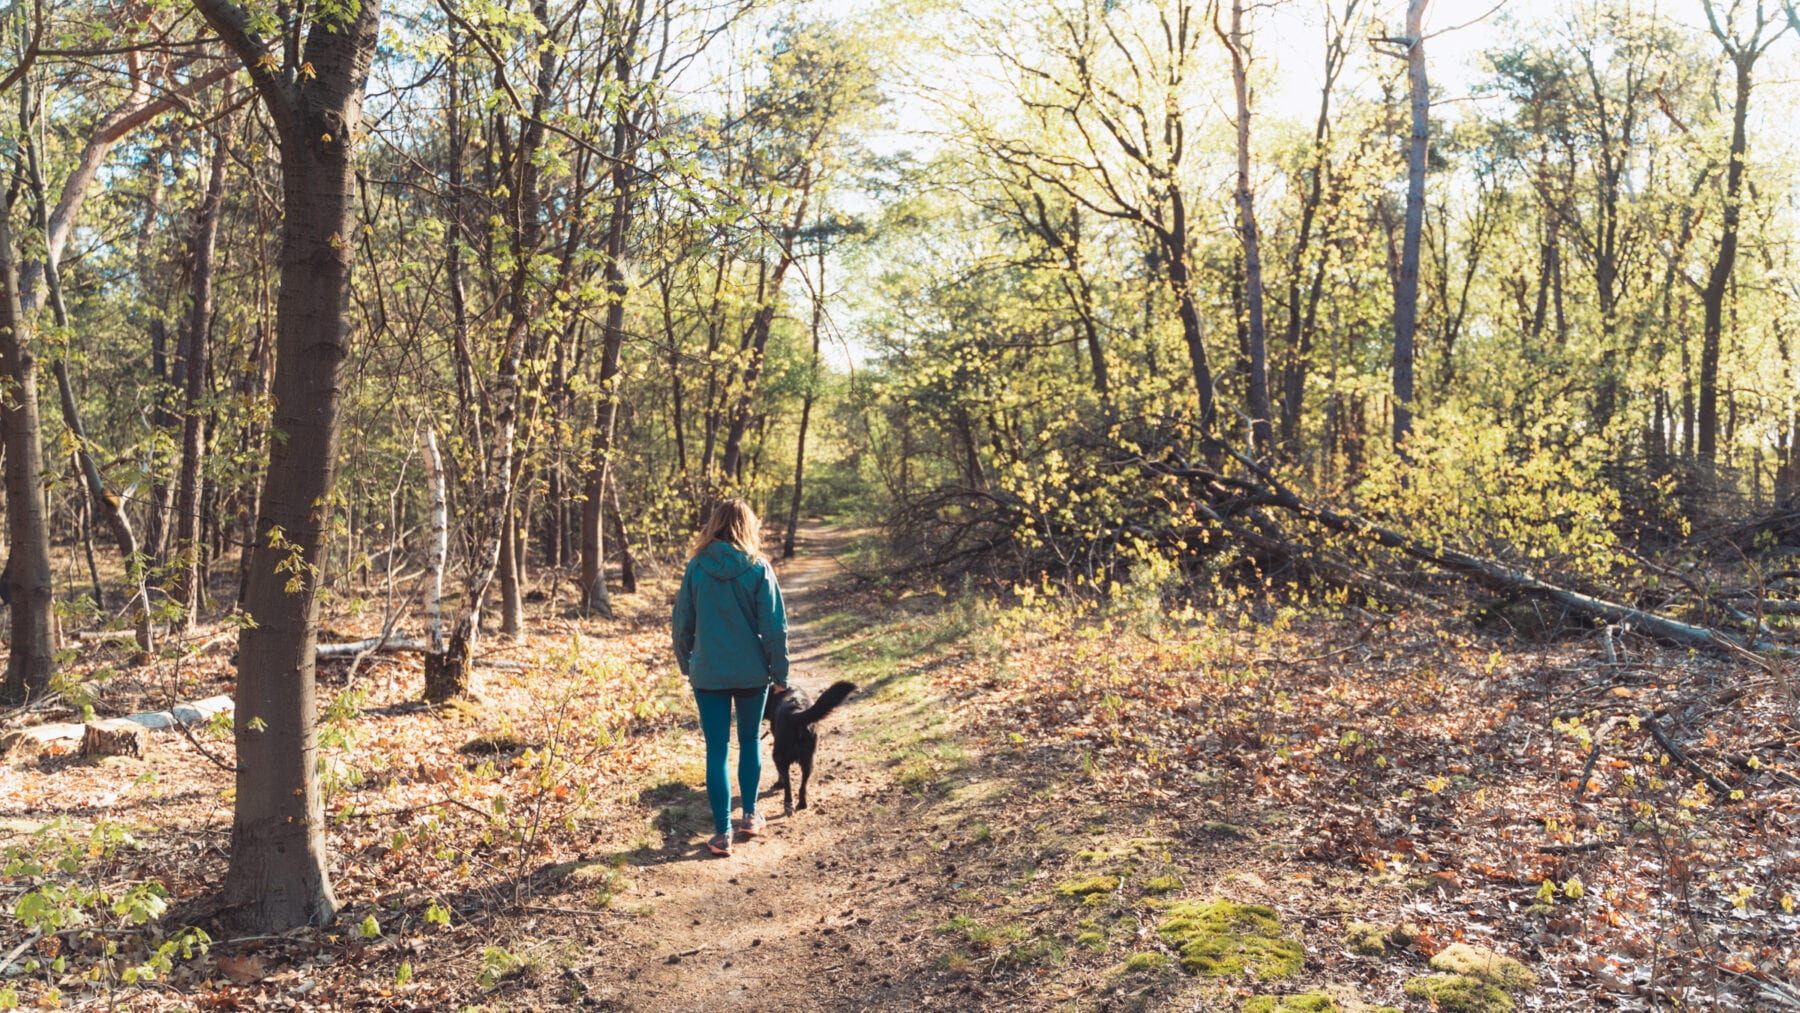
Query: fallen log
column 373, row 645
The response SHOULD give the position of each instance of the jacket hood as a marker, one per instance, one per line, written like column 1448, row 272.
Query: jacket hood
column 724, row 561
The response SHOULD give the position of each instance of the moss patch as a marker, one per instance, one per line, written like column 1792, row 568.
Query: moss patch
column 1485, row 964
column 1090, row 885
column 1146, row 962
column 1459, row 993
column 1162, row 884
column 1367, row 939
column 1306, row 1002
column 1222, row 938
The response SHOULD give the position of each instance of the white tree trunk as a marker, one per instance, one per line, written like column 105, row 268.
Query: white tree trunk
column 440, row 543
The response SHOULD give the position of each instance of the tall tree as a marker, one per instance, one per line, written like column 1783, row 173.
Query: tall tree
column 310, row 74
column 1743, row 48
column 1406, row 286
column 1237, row 43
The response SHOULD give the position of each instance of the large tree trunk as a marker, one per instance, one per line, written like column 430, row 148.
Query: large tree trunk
column 1406, row 289
column 190, row 590
column 278, row 876
column 31, row 659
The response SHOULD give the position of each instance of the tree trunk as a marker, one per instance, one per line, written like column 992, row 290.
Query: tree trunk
column 440, row 542
column 1406, row 290
column 1174, row 244
column 612, row 340
column 806, row 404
column 627, row 563
column 512, row 598
column 1262, row 436
column 31, row 658
column 1712, row 298
column 278, row 876
column 756, row 339
column 189, row 586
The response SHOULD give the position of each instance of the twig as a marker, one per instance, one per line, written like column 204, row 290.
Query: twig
column 1719, row 787
column 6, row 965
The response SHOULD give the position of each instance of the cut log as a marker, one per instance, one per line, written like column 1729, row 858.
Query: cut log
column 115, row 737
column 33, row 740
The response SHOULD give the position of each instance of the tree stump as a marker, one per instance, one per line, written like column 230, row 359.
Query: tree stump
column 447, row 674
column 116, row 737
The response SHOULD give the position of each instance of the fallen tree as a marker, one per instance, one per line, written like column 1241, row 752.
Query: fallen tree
column 1203, row 508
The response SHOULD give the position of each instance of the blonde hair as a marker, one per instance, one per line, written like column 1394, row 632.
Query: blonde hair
column 732, row 521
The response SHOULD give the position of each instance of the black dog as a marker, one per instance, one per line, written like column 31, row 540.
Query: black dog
column 790, row 723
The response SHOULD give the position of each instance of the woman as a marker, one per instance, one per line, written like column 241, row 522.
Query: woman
column 731, row 643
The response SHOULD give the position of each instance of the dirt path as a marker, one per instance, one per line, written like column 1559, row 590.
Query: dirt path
column 808, row 915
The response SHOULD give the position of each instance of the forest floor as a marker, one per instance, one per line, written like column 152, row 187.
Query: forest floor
column 1027, row 805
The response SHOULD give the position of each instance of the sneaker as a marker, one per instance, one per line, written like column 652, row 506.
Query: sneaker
column 751, row 824
column 720, row 845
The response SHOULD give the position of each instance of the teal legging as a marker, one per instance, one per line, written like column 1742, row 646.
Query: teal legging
column 715, row 723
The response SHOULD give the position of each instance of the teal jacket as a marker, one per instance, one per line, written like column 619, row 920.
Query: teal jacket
column 730, row 624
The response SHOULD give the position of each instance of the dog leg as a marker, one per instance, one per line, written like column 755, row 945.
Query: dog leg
column 805, row 776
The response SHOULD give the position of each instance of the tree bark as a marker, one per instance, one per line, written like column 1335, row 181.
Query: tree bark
column 1262, row 438
column 1712, row 298
column 278, row 877
column 594, row 598
column 440, row 542
column 190, row 590
column 806, row 404
column 1406, row 289
column 756, row 339
column 31, row 658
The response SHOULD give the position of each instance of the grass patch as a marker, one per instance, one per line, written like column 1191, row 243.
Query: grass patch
column 1221, row 938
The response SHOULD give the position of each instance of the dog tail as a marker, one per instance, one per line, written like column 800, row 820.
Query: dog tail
column 828, row 702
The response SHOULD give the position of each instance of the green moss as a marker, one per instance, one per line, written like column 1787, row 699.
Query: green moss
column 1485, row 964
column 1090, row 885
column 1306, row 1002
column 1092, row 939
column 1459, row 993
column 1222, row 938
column 1366, row 939
column 1162, row 884
column 1146, row 962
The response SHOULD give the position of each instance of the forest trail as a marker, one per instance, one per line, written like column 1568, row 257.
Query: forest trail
column 805, row 916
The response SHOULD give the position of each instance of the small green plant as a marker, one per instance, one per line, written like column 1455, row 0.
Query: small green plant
column 498, row 964
column 70, row 892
